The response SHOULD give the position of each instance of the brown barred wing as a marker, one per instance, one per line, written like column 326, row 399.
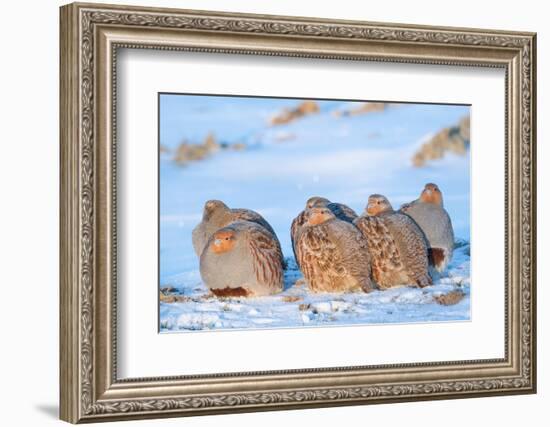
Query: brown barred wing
column 381, row 244
column 355, row 254
column 412, row 245
column 266, row 255
column 252, row 216
column 317, row 257
column 384, row 253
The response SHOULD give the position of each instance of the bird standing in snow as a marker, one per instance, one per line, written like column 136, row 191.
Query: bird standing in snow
column 242, row 259
column 333, row 255
column 435, row 222
column 397, row 246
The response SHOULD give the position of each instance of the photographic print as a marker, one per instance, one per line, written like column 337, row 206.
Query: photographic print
column 320, row 195
column 290, row 213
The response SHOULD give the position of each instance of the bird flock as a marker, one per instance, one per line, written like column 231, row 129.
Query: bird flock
column 335, row 249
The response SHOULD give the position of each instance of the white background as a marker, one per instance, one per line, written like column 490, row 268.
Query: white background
column 29, row 171
column 142, row 347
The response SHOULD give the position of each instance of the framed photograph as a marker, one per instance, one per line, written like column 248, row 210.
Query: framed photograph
column 267, row 212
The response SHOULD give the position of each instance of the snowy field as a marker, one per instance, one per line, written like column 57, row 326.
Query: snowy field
column 343, row 158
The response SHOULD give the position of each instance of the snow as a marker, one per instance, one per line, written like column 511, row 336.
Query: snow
column 342, row 158
column 396, row 305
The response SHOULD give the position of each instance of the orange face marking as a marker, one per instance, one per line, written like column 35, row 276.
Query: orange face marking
column 431, row 194
column 223, row 241
column 318, row 217
column 377, row 205
column 374, row 209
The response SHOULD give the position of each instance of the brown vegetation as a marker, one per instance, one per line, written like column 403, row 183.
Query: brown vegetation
column 289, row 115
column 186, row 152
column 454, row 139
column 451, row 298
column 304, row 307
column 238, row 146
column 170, row 294
column 291, row 298
column 170, row 298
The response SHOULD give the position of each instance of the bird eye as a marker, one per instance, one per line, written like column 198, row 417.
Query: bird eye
column 378, row 202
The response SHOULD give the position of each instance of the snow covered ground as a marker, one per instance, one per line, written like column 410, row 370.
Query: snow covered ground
column 342, row 158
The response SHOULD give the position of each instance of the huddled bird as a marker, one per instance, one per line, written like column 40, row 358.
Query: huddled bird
column 340, row 210
column 216, row 214
column 333, row 255
column 335, row 249
column 397, row 246
column 242, row 259
column 430, row 215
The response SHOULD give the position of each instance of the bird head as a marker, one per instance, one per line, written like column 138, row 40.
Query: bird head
column 316, row 202
column 316, row 216
column 377, row 205
column 432, row 194
column 213, row 206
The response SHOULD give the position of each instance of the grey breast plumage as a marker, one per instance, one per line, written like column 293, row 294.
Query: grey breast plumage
column 436, row 224
column 398, row 250
column 249, row 266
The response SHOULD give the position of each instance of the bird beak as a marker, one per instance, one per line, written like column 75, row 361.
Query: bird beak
column 217, row 242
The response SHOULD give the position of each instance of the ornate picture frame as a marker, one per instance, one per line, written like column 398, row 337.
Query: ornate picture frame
column 90, row 37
